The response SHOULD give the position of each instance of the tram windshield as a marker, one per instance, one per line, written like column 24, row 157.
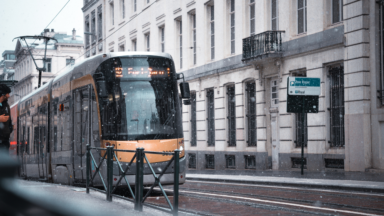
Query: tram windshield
column 138, row 99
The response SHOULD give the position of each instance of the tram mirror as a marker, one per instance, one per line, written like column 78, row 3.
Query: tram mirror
column 184, row 89
column 102, row 89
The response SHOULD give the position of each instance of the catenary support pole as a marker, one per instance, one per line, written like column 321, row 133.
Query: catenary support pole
column 303, row 136
column 176, row 182
column 109, row 172
column 139, row 179
column 88, row 169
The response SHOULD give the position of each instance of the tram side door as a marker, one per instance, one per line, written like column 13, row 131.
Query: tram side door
column 81, row 130
column 42, row 144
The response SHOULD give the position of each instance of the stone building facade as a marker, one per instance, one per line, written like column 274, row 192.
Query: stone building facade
column 237, row 55
column 60, row 54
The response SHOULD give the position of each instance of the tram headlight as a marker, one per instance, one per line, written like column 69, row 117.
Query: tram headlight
column 181, row 148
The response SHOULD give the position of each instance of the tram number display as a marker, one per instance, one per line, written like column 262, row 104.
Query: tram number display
column 121, row 72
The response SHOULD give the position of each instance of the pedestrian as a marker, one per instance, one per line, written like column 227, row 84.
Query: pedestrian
column 6, row 127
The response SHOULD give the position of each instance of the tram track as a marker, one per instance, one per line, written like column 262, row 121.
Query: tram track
column 226, row 196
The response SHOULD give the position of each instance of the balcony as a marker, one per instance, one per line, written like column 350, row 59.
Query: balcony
column 264, row 45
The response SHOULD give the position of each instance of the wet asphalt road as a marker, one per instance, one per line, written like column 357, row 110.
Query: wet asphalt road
column 218, row 198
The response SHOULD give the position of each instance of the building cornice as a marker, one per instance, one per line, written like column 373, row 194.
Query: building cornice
column 89, row 5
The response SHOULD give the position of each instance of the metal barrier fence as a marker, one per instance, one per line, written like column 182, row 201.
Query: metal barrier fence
column 140, row 156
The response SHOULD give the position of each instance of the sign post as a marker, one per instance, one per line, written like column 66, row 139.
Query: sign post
column 303, row 97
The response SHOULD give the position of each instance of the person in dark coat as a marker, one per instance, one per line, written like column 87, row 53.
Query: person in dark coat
column 6, row 127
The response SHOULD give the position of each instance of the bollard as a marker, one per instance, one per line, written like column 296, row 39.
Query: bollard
column 139, row 179
column 109, row 172
column 176, row 182
column 88, row 169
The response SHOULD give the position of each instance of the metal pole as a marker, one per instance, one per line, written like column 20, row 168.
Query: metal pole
column 139, row 179
column 109, row 172
column 176, row 182
column 303, row 139
column 88, row 160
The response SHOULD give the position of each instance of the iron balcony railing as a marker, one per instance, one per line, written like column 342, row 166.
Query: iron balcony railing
column 261, row 44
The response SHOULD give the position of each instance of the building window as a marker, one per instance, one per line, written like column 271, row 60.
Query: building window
column 70, row 61
column 147, row 42
column 231, row 101
column 250, row 161
column 48, row 65
column 112, row 10
column 162, row 39
column 336, row 109
column 122, row 48
column 193, row 119
column 337, row 11
column 232, row 15
column 381, row 29
column 191, row 161
column 180, row 35
column 193, row 16
column 99, row 22
column 210, row 161
column 93, row 27
column 274, row 14
column 251, row 113
column 134, row 5
column 122, row 3
column 134, row 45
column 296, row 163
column 87, row 30
column 148, row 1
column 230, row 162
column 301, row 16
column 252, row 22
column 212, row 30
column 211, row 117
column 274, row 93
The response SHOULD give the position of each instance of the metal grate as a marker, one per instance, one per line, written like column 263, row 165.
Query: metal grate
column 337, row 106
column 296, row 163
column 250, row 161
column 260, row 44
column 251, row 113
column 301, row 130
column 231, row 100
column 211, row 117
column 210, row 161
column 230, row 161
column 334, row 163
column 193, row 119
column 192, row 161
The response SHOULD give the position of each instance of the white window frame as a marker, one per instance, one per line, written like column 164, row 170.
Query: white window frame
column 180, row 40
column 134, row 5
column 232, row 26
column 212, row 31
column 277, row 15
column 274, row 83
column 252, row 5
column 112, row 11
column 122, row 5
column 193, row 18
column 162, row 39
column 147, row 42
column 304, row 18
column 340, row 11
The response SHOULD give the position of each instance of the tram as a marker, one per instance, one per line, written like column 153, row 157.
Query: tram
column 124, row 99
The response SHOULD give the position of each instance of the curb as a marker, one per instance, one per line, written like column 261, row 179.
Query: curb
column 360, row 188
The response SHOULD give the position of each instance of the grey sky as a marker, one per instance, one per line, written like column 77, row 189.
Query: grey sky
column 30, row 17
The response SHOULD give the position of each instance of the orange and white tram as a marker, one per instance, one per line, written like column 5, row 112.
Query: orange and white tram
column 128, row 100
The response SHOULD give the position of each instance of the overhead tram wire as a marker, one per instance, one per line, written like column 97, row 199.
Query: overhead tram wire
column 54, row 17
column 112, row 33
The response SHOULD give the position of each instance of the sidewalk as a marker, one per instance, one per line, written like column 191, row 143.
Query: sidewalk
column 332, row 180
column 93, row 203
